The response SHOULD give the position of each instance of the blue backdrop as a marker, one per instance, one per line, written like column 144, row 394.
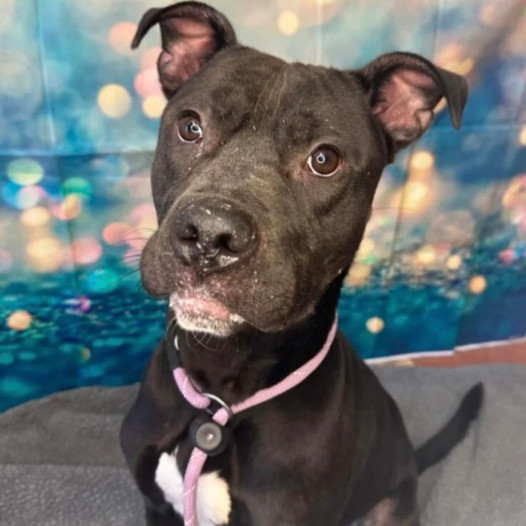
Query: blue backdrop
column 443, row 260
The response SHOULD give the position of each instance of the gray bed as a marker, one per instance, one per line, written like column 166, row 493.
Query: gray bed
column 60, row 463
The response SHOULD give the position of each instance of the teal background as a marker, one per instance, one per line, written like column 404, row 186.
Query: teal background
column 443, row 260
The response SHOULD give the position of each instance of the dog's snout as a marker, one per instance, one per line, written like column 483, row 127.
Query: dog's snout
column 213, row 235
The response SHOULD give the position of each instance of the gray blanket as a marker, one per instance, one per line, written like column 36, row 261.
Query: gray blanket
column 60, row 463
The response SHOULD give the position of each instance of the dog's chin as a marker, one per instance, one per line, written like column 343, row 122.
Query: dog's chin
column 199, row 313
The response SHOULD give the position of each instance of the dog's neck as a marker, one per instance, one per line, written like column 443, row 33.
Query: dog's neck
column 235, row 367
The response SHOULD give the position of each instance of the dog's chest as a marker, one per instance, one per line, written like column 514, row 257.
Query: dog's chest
column 213, row 495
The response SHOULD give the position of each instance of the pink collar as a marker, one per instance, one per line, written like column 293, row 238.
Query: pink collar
column 221, row 416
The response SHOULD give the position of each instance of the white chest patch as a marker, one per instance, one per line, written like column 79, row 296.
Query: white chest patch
column 213, row 496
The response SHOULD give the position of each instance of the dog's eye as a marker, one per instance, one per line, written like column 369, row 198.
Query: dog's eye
column 190, row 130
column 324, row 162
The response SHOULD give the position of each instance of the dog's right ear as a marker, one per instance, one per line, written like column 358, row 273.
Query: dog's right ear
column 191, row 33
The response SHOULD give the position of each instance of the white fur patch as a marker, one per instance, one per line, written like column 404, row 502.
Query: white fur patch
column 215, row 319
column 213, row 496
column 203, row 324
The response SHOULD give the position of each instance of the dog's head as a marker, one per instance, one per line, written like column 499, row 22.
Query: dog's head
column 265, row 171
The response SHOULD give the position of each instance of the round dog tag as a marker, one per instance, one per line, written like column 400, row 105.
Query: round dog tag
column 209, row 436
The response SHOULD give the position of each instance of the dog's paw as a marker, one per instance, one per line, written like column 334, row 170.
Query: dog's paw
column 213, row 497
column 170, row 480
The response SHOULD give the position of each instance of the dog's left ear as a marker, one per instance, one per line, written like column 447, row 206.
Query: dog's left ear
column 403, row 90
column 191, row 33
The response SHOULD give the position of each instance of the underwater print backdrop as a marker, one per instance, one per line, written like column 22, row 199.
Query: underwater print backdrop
column 443, row 262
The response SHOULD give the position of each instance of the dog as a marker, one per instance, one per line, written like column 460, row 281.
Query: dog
column 263, row 180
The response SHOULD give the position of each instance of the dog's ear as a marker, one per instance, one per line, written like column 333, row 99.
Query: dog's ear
column 403, row 90
column 191, row 33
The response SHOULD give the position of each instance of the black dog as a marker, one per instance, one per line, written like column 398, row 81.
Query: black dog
column 263, row 181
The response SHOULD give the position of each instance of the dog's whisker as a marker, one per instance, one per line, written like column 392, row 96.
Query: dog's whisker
column 139, row 228
column 171, row 324
column 127, row 274
column 201, row 341
column 128, row 239
column 130, row 261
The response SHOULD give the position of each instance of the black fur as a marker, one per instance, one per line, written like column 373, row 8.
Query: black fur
column 334, row 449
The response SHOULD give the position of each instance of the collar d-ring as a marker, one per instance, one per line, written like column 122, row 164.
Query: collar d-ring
column 222, row 403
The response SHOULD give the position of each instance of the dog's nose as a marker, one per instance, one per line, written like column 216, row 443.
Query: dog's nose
column 213, row 235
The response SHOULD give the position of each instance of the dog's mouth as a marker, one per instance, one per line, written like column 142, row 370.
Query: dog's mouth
column 197, row 312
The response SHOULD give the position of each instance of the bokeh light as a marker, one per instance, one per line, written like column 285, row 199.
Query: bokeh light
column 115, row 233
column 149, row 58
column 442, row 105
column 464, row 67
column 121, row 36
column 144, row 220
column 102, row 281
column 146, row 83
column 415, row 197
column 367, row 247
column 522, row 136
column 141, row 211
column 288, row 23
column 454, row 262
column 426, row 255
column 375, row 325
column 153, row 106
column 69, row 208
column 21, row 197
column 35, row 217
column 20, row 320
column 507, row 256
column 358, row 274
column 25, row 172
column 79, row 305
column 516, row 216
column 453, row 58
column 45, row 254
column 6, row 260
column 86, row 251
column 79, row 186
column 477, row 284
column 85, row 355
column 515, row 194
column 114, row 101
column 299, row 13
column 422, row 160
column 29, row 196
